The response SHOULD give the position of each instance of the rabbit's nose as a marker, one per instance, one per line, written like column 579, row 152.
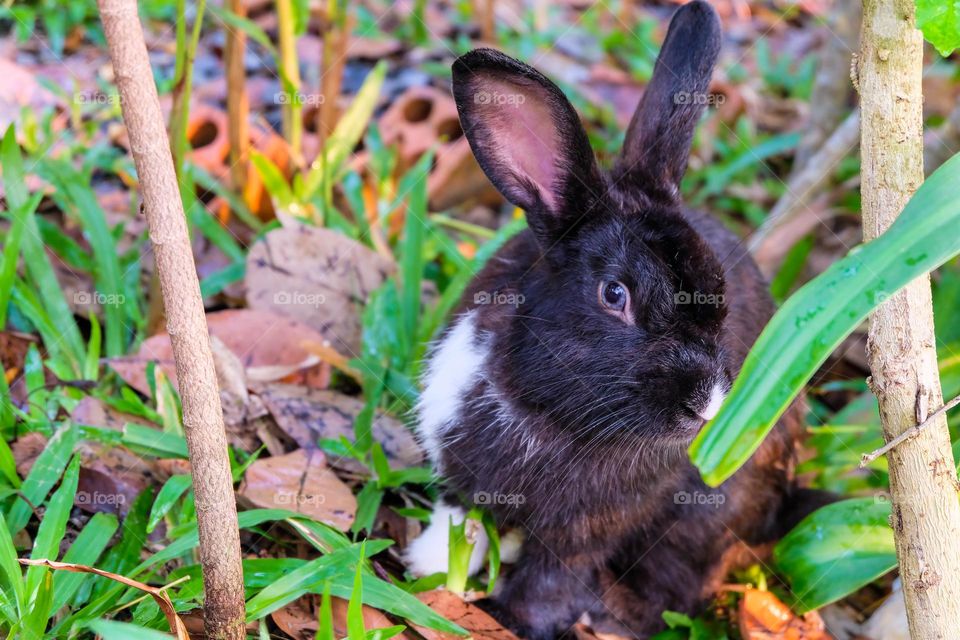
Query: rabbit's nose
column 708, row 410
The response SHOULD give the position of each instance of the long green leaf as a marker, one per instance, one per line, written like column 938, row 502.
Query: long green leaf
column 53, row 526
column 813, row 322
column 74, row 194
column 411, row 255
column 40, row 271
column 171, row 491
column 11, row 252
column 112, row 630
column 355, row 626
column 299, row 581
column 12, row 578
column 836, row 550
column 249, row 27
column 44, row 473
column 348, row 131
column 86, row 549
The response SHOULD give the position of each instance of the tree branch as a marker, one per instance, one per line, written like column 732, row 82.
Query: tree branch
column 197, row 380
column 912, row 432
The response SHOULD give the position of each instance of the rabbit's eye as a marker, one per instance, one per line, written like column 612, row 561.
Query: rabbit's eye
column 614, row 296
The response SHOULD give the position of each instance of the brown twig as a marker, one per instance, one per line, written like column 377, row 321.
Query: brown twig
column 807, row 182
column 336, row 37
column 157, row 593
column 217, row 525
column 912, row 432
column 238, row 103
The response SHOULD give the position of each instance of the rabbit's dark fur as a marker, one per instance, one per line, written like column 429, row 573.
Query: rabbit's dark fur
column 569, row 419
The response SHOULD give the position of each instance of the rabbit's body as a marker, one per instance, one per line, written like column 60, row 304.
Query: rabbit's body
column 590, row 350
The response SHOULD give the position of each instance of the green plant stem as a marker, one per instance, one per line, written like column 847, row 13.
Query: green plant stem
column 465, row 227
column 290, row 74
column 183, row 84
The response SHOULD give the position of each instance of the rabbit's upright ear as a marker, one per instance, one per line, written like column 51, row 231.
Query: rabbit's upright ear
column 528, row 139
column 657, row 143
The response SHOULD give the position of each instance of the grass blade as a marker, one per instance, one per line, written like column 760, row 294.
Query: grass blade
column 171, row 491
column 74, row 194
column 53, row 526
column 45, row 472
column 11, row 252
column 12, row 576
column 86, row 549
column 39, row 270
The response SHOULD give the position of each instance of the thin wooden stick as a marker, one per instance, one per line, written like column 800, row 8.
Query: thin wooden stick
column 901, row 342
column 238, row 103
column 912, row 432
column 202, row 415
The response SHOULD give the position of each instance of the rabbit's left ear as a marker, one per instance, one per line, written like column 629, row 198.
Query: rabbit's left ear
column 528, row 139
column 657, row 143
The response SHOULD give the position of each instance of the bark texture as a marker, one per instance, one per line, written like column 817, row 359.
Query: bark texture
column 202, row 416
column 902, row 347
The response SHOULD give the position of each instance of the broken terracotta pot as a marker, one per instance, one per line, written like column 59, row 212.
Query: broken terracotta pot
column 425, row 117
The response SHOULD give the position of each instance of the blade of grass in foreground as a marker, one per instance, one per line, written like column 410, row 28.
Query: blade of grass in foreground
column 813, row 322
column 40, row 272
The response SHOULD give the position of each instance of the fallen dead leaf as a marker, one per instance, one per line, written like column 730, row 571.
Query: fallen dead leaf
column 25, row 451
column 307, row 415
column 300, row 481
column 475, row 620
column 20, row 90
column 259, row 339
column 299, row 618
column 93, row 412
column 317, row 276
column 111, row 478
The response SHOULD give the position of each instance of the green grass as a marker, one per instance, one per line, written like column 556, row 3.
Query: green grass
column 398, row 324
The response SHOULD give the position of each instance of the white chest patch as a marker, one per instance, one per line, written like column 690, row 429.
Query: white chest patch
column 454, row 366
column 430, row 552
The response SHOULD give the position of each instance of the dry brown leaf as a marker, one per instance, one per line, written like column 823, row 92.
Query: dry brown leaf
column 300, row 481
column 26, row 449
column 93, row 412
column 111, row 478
column 317, row 276
column 257, row 338
column 18, row 90
column 307, row 415
column 176, row 624
column 764, row 617
column 478, row 623
column 299, row 618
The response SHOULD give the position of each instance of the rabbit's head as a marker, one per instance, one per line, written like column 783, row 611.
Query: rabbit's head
column 623, row 304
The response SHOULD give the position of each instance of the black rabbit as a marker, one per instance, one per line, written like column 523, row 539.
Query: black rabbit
column 589, row 352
